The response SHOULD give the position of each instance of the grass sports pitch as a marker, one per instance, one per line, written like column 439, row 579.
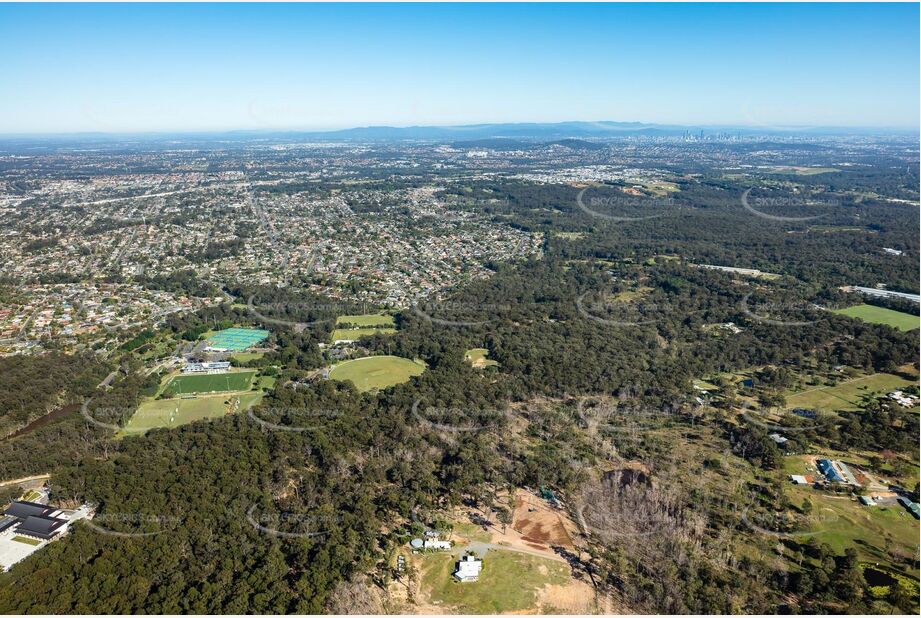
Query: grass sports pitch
column 237, row 339
column 353, row 334
column 212, row 382
column 367, row 324
column 367, row 319
column 175, row 412
column 881, row 315
column 376, row 372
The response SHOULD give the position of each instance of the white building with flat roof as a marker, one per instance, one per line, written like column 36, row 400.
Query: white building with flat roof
column 468, row 569
column 436, row 544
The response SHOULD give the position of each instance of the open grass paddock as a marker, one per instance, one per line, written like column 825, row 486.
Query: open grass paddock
column 509, row 582
column 478, row 357
column 846, row 395
column 881, row 315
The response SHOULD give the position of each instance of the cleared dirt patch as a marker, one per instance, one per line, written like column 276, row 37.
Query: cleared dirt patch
column 538, row 523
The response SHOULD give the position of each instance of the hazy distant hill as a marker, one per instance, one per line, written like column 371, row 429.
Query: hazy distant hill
column 503, row 136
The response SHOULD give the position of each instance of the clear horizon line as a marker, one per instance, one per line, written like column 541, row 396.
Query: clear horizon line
column 215, row 131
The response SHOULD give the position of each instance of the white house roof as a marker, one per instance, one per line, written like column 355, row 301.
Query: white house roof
column 469, row 566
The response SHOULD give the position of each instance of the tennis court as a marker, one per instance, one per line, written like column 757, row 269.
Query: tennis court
column 236, row 339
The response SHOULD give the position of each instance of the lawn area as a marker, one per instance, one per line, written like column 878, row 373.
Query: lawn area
column 477, row 357
column 842, row 522
column 245, row 357
column 376, row 372
column 471, row 531
column 509, row 582
column 881, row 315
column 214, row 382
column 705, row 385
column 367, row 319
column 846, row 395
column 353, row 334
column 26, row 540
column 248, row 400
column 175, row 412
column 266, row 382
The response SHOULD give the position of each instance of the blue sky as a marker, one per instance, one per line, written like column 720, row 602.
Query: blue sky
column 234, row 66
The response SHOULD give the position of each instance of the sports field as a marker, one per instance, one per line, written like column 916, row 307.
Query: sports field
column 376, row 372
column 212, row 382
column 366, row 323
column 846, row 395
column 353, row 334
column 175, row 412
column 367, row 319
column 881, row 315
column 237, row 339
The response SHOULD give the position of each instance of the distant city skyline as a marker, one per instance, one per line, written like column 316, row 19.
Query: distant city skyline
column 218, row 67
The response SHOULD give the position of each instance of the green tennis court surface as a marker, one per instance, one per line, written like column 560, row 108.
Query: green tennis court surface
column 237, row 339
